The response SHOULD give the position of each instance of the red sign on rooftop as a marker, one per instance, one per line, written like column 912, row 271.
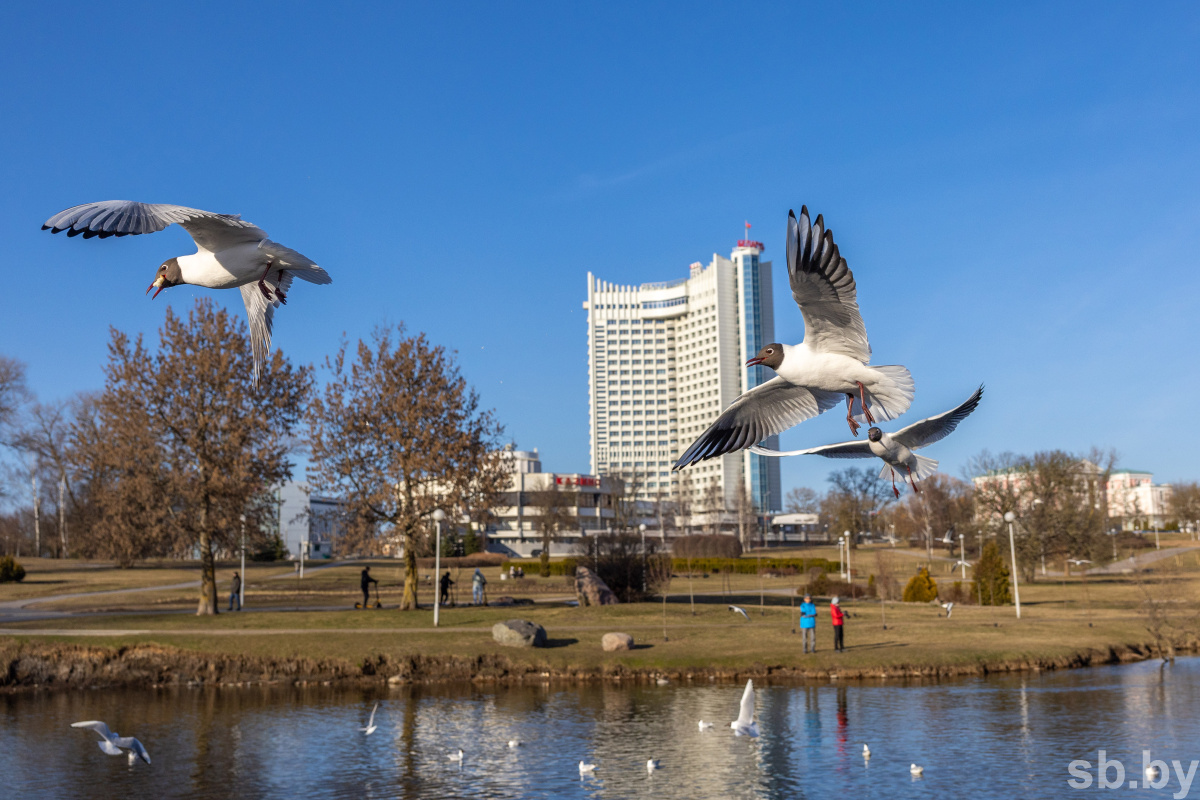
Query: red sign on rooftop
column 751, row 243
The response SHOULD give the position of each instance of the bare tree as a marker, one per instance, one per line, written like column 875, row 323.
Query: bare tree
column 13, row 394
column 713, row 505
column 1184, row 505
column 398, row 434
column 856, row 494
column 554, row 515
column 802, row 500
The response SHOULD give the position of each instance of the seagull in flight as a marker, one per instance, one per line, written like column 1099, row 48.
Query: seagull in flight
column 896, row 449
column 229, row 252
column 741, row 611
column 745, row 725
column 811, row 377
column 113, row 744
column 371, row 726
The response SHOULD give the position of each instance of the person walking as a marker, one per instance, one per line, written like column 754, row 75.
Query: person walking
column 838, row 619
column 477, row 584
column 235, row 592
column 446, row 584
column 808, row 623
column 366, row 582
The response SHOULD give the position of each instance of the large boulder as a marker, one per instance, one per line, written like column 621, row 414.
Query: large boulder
column 519, row 633
column 592, row 591
column 612, row 642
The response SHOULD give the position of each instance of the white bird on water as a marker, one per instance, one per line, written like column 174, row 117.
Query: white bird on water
column 705, row 725
column 585, row 768
column 741, row 611
column 745, row 725
column 812, row 377
column 866, row 752
column 229, row 252
column 113, row 744
column 651, row 765
column 917, row 771
column 513, row 744
column 371, row 726
column 661, row 681
column 895, row 449
column 456, row 756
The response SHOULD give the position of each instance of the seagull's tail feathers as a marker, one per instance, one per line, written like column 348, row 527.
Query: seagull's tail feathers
column 924, row 467
column 889, row 396
column 297, row 264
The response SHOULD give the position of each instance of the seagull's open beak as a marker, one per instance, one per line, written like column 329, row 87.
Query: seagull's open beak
column 158, row 284
column 754, row 362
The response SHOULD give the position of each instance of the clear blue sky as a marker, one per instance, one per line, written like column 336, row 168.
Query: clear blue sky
column 1016, row 187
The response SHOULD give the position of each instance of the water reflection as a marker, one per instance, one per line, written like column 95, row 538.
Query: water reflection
column 998, row 737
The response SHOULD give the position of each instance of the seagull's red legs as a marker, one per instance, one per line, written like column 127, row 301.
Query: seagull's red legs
column 279, row 292
column 894, row 489
column 262, row 286
column 911, row 482
column 850, row 416
column 862, row 397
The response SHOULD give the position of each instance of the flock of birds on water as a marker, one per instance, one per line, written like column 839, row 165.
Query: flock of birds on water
column 832, row 363
column 745, row 725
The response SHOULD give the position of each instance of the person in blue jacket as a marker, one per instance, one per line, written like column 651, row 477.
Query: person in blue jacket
column 808, row 623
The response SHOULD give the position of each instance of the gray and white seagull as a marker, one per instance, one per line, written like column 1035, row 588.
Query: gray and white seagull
column 830, row 365
column 113, row 744
column 229, row 252
column 896, row 449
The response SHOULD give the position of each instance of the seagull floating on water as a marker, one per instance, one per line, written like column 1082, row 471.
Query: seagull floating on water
column 456, row 756
column 651, row 765
column 741, row 611
column 813, row 376
column 866, row 751
column 229, row 252
column 513, row 744
column 705, row 725
column 585, row 768
column 896, row 449
column 661, row 681
column 367, row 731
column 113, row 744
column 915, row 770
column 745, row 725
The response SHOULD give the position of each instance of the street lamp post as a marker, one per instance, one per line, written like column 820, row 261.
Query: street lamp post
column 642, row 531
column 1009, row 517
column 841, row 563
column 242, row 588
column 846, row 536
column 438, row 516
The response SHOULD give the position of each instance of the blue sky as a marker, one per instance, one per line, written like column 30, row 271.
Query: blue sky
column 1016, row 187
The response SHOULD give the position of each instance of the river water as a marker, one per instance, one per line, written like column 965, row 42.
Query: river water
column 998, row 737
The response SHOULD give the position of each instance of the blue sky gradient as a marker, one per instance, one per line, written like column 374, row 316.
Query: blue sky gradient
column 1016, row 187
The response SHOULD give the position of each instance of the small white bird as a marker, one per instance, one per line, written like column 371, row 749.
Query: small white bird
column 456, row 756
column 866, row 751
column 745, row 725
column 371, row 726
column 895, row 449
column 113, row 744
column 1152, row 773
column 915, row 770
column 585, row 768
column 705, row 725
column 812, row 377
column 513, row 744
column 661, row 681
column 741, row 611
column 229, row 252
column 949, row 609
column 651, row 765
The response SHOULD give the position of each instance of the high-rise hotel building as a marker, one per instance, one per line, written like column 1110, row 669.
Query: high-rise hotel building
column 664, row 360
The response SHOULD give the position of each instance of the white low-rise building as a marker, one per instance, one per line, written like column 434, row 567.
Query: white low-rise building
column 305, row 517
column 1135, row 500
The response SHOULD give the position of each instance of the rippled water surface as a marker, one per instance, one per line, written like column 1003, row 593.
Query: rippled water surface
column 994, row 738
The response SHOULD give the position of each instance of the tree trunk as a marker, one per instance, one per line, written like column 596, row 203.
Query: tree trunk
column 208, row 570
column 409, row 601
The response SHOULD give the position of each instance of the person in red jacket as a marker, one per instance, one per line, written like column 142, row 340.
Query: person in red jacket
column 838, row 619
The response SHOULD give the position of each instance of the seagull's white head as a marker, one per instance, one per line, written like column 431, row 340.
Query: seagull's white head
column 874, row 434
column 168, row 275
column 770, row 356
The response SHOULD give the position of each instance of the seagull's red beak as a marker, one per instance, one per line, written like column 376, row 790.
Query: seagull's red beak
column 159, row 283
column 754, row 362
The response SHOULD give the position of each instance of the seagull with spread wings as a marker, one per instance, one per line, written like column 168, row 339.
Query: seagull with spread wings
column 812, row 377
column 745, row 725
column 896, row 449
column 229, row 252
column 114, row 744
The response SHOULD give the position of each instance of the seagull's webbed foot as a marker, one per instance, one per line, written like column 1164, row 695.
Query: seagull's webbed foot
column 850, row 415
column 282, row 297
column 862, row 396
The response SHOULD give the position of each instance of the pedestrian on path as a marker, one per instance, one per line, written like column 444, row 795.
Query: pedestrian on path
column 838, row 619
column 808, row 623
column 477, row 584
column 446, row 584
column 366, row 581
column 235, row 593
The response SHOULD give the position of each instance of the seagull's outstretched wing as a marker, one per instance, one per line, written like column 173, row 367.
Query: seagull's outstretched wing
column 858, row 449
column 260, row 313
column 95, row 725
column 746, row 712
column 130, row 743
column 371, row 721
column 763, row 411
column 934, row 429
column 823, row 287
column 210, row 231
